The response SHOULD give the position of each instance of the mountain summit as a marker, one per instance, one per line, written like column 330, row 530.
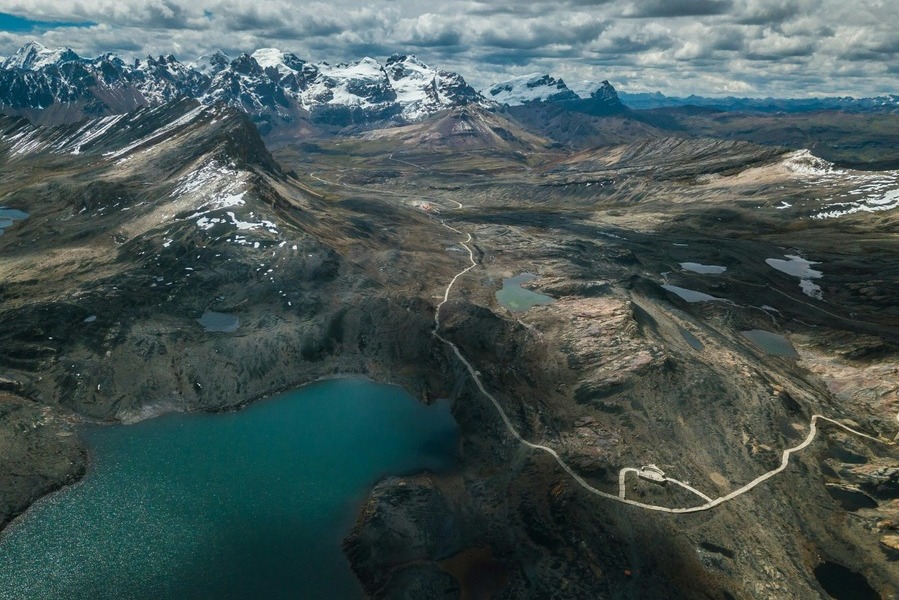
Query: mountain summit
column 33, row 56
column 607, row 95
column 531, row 88
column 544, row 88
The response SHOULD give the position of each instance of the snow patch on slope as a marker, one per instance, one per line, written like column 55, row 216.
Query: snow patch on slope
column 159, row 133
column 272, row 58
column 799, row 267
column 850, row 191
column 214, row 189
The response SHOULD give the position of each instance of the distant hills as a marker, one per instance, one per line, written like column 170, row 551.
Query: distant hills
column 643, row 101
column 544, row 88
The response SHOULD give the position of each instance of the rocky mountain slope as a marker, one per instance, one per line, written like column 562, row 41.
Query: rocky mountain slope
column 854, row 132
column 53, row 86
column 153, row 219
column 468, row 128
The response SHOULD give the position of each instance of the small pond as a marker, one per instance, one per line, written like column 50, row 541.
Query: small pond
column 799, row 267
column 703, row 269
column 691, row 339
column 217, row 321
column 9, row 215
column 691, row 295
column 518, row 299
column 841, row 583
column 771, row 343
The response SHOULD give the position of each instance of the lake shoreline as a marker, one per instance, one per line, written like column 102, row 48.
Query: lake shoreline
column 336, row 401
column 80, row 420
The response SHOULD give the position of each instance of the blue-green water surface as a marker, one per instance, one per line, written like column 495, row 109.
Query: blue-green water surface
column 9, row 215
column 772, row 343
column 251, row 504
column 518, row 299
column 220, row 322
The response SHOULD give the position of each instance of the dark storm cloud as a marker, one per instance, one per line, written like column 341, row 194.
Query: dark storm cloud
column 586, row 3
column 727, row 38
column 489, row 9
column 169, row 15
column 518, row 59
column 737, row 47
column 633, row 43
column 509, row 56
column 790, row 57
column 252, row 19
column 537, row 34
column 678, row 8
column 779, row 48
column 770, row 12
column 447, row 38
column 886, row 44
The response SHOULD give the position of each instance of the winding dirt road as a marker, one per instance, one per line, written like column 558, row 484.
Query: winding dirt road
column 708, row 503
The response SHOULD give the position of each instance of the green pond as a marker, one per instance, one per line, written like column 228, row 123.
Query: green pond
column 772, row 343
column 250, row 504
column 217, row 321
column 518, row 299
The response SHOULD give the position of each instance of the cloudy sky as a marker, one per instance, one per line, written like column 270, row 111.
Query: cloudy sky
column 782, row 48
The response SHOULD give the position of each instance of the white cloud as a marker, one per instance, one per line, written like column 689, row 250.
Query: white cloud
column 756, row 47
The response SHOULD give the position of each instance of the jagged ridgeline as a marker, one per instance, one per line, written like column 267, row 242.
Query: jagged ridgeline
column 54, row 86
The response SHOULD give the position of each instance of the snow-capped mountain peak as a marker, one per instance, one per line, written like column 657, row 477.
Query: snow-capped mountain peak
column 407, row 61
column 212, row 64
column 285, row 63
column 537, row 87
column 367, row 69
column 422, row 89
column 33, row 56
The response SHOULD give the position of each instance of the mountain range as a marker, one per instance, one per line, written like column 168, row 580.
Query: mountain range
column 289, row 98
column 57, row 86
column 281, row 91
column 539, row 88
column 266, row 84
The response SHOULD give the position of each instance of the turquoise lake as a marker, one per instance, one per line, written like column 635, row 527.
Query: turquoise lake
column 250, row 504
column 519, row 299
